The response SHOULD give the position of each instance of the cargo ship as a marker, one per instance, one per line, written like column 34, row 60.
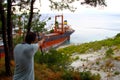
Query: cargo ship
column 61, row 33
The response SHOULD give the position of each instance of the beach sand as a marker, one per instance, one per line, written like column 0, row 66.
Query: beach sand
column 108, row 68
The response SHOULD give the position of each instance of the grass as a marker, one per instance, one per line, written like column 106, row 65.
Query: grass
column 43, row 72
column 94, row 46
column 2, row 70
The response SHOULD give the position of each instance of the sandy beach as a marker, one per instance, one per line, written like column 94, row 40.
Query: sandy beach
column 108, row 68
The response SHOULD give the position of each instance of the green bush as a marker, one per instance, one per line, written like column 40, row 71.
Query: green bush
column 87, row 75
column 109, row 52
column 96, row 77
column 116, row 73
column 67, row 75
column 76, row 75
column 118, row 35
column 97, row 63
column 53, row 58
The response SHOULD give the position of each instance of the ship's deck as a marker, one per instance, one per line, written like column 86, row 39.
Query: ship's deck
column 51, row 34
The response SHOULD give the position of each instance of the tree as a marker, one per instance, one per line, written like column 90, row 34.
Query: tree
column 5, row 40
column 38, row 25
column 31, row 16
column 67, row 4
column 9, row 27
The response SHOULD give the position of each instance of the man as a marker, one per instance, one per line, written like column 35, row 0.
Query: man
column 24, row 57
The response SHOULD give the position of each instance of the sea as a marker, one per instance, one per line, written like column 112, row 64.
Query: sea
column 91, row 26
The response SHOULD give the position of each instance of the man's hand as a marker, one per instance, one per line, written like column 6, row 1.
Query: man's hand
column 41, row 42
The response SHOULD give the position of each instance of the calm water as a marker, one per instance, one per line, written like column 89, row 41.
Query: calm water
column 92, row 26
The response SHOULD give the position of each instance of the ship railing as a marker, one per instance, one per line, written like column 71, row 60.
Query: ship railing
column 65, row 28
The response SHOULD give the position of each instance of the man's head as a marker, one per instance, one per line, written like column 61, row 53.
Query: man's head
column 30, row 37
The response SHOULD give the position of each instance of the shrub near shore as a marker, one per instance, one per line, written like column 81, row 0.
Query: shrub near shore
column 94, row 46
column 54, row 65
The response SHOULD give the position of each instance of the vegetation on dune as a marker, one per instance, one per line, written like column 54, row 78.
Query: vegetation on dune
column 53, row 66
column 109, row 53
column 53, row 59
column 49, row 66
column 42, row 72
column 94, row 46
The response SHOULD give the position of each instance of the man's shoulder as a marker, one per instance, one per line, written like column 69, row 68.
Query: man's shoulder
column 18, row 45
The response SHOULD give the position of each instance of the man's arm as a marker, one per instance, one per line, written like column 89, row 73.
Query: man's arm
column 40, row 43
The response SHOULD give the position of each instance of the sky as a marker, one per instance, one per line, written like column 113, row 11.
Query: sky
column 112, row 7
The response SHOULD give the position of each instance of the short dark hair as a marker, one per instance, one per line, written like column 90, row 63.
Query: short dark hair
column 30, row 37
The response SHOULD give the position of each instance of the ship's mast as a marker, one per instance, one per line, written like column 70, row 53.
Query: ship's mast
column 59, row 24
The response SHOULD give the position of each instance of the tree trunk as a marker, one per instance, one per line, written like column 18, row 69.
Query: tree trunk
column 9, row 28
column 4, row 36
column 30, row 17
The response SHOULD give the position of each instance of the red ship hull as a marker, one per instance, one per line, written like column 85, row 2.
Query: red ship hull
column 55, row 39
column 2, row 51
